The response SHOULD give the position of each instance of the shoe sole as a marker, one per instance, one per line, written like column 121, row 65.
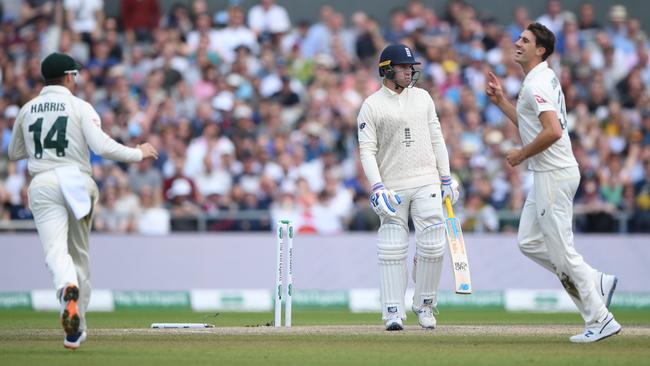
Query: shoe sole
column 71, row 346
column 611, row 292
column 70, row 317
column 600, row 339
column 394, row 326
column 609, row 335
column 74, row 345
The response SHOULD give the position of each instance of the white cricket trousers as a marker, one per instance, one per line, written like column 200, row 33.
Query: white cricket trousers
column 546, row 236
column 424, row 206
column 64, row 238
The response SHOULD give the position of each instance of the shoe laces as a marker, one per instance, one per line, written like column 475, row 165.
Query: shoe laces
column 428, row 310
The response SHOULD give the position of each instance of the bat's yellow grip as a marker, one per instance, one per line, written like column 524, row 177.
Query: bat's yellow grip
column 450, row 211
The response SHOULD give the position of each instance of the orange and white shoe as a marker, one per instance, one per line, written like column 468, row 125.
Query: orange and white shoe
column 70, row 318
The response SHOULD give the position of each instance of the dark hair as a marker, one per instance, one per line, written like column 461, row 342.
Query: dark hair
column 543, row 38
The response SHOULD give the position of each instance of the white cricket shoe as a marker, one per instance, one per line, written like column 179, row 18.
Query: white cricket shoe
column 606, row 285
column 598, row 330
column 74, row 341
column 425, row 316
column 394, row 322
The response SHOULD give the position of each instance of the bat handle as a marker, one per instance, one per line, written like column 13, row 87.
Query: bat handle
column 450, row 211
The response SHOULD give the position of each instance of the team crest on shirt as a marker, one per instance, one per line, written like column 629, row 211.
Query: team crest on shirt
column 555, row 83
column 540, row 100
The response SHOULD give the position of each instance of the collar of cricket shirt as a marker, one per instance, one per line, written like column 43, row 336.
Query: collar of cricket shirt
column 391, row 93
column 55, row 89
column 536, row 70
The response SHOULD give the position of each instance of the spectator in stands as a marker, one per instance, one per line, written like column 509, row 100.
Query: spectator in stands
column 182, row 205
column 520, row 22
column 177, row 174
column 21, row 211
column 13, row 185
column 85, row 17
column 203, row 30
column 394, row 32
column 178, row 17
column 212, row 180
column 553, row 19
column 100, row 63
column 368, row 40
column 139, row 17
column 235, row 34
column 152, row 218
column 596, row 214
column 478, row 215
column 108, row 218
column 267, row 19
column 286, row 96
column 144, row 175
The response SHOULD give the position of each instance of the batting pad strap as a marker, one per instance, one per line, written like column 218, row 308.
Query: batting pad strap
column 430, row 242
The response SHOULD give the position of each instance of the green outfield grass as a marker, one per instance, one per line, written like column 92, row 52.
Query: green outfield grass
column 32, row 338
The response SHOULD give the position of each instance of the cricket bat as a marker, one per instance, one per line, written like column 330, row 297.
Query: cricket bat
column 459, row 261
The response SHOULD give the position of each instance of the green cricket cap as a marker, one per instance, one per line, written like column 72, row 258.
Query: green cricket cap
column 58, row 64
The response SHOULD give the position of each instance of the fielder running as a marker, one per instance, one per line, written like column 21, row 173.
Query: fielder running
column 545, row 230
column 53, row 131
column 405, row 159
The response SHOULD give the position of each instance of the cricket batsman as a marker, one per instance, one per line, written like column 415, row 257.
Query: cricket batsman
column 545, row 229
column 405, row 159
column 53, row 131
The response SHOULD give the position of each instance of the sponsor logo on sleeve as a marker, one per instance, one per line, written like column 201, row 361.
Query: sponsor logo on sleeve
column 540, row 100
column 362, row 125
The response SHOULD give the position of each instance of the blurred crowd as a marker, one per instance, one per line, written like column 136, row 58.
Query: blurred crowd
column 254, row 112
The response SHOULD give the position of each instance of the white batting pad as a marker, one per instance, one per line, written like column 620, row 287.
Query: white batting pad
column 430, row 249
column 391, row 252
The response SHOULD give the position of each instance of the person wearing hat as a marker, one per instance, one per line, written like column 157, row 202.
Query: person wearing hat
column 53, row 132
column 405, row 158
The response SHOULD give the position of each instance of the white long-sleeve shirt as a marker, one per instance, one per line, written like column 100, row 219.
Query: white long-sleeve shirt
column 56, row 128
column 400, row 140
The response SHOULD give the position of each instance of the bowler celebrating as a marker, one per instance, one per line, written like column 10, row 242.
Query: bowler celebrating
column 545, row 229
